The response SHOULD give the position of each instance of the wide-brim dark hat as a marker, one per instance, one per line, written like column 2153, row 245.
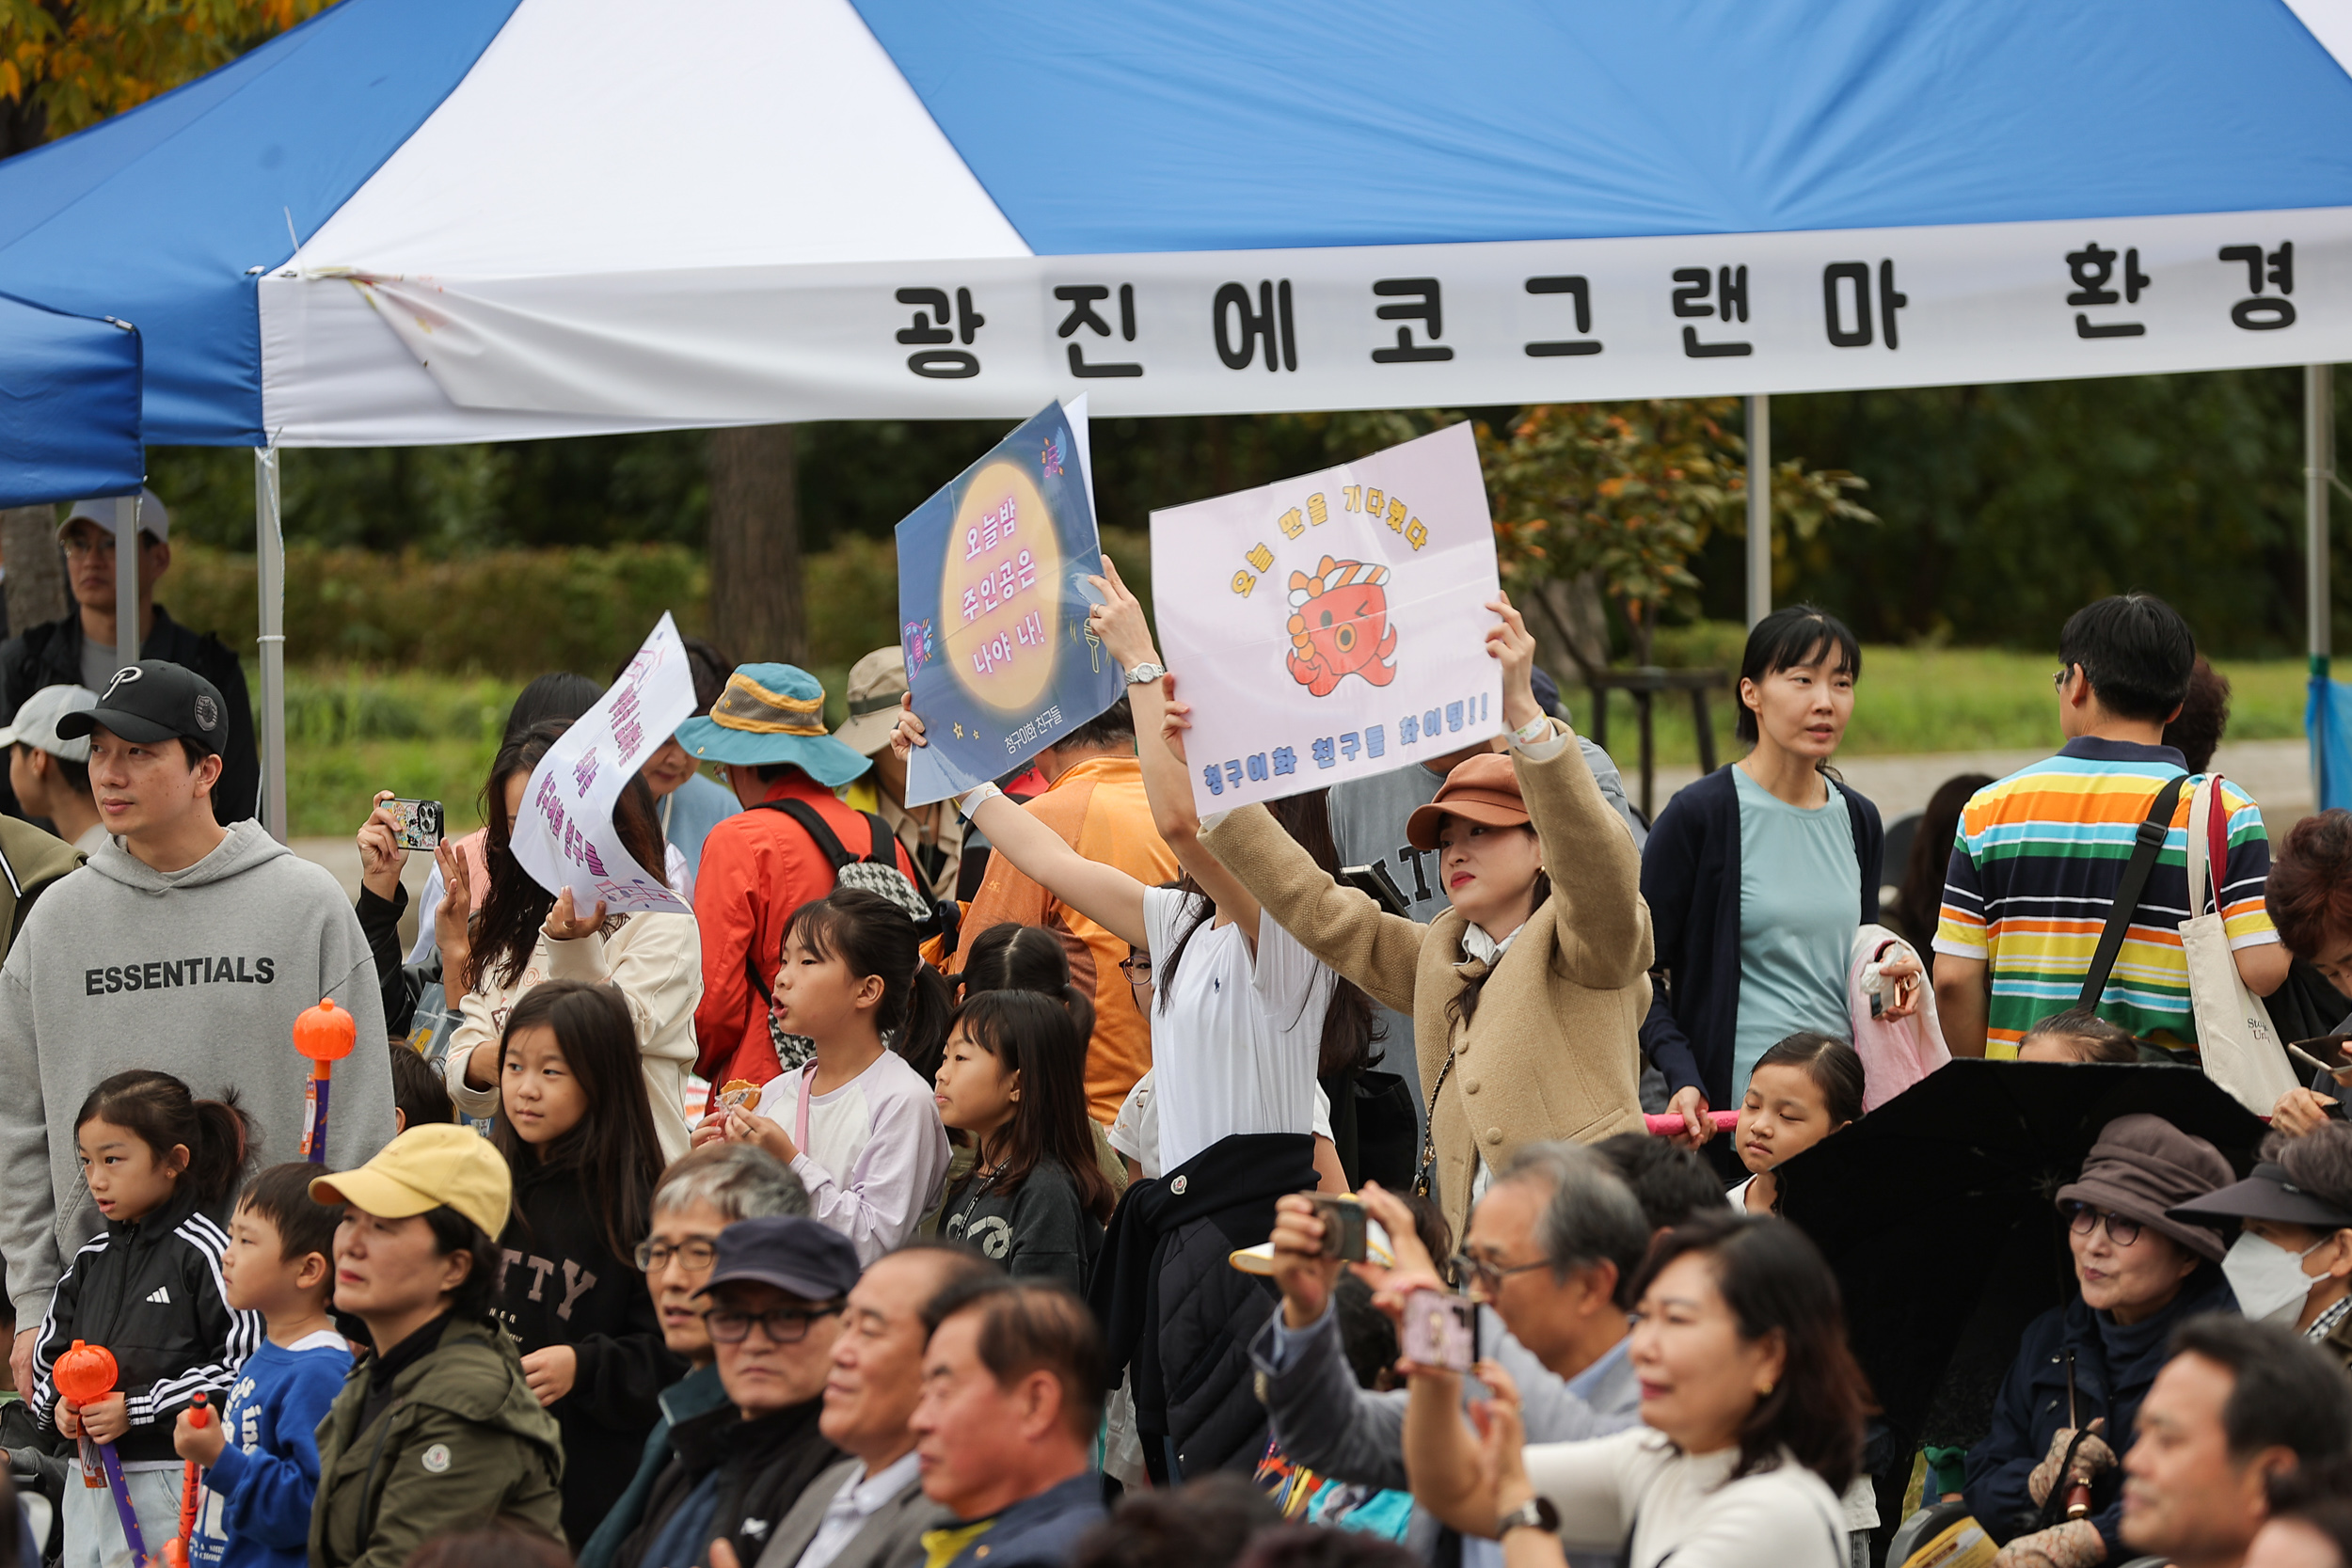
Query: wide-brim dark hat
column 2144, row 1168
column 2269, row 1194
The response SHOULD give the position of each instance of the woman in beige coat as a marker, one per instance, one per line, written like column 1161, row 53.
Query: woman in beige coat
column 1527, row 996
column 523, row 936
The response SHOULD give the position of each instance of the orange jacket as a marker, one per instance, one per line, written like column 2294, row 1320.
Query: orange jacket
column 1099, row 808
column 757, row 867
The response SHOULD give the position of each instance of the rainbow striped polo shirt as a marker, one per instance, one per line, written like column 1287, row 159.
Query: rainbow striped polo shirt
column 2033, row 875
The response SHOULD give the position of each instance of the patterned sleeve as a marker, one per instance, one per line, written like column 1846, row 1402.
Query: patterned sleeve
column 2242, row 914
column 1960, row 926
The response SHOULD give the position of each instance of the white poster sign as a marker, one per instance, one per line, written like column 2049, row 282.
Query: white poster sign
column 565, row 837
column 1331, row 627
column 1363, row 326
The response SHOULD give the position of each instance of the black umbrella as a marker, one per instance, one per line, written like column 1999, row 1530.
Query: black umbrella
column 1937, row 1212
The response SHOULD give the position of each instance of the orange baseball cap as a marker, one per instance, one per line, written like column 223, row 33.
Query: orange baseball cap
column 1483, row 789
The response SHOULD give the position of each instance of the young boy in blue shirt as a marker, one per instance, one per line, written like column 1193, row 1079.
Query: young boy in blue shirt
column 261, row 1455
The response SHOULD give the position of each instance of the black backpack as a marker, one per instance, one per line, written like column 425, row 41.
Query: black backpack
column 876, row 871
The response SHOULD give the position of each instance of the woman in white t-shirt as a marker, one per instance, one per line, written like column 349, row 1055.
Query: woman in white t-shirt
column 1751, row 1412
column 1246, row 1019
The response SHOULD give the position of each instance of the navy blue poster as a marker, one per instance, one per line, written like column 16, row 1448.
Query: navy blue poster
column 992, row 602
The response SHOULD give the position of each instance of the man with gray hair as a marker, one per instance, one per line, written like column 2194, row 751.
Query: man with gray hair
column 1552, row 1249
column 699, row 1196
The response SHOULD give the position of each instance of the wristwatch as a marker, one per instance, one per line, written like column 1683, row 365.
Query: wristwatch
column 1144, row 674
column 1535, row 1513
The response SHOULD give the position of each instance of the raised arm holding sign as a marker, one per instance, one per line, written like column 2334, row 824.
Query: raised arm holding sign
column 1328, row 626
column 565, row 835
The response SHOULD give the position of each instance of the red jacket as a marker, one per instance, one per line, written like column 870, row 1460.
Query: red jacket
column 757, row 867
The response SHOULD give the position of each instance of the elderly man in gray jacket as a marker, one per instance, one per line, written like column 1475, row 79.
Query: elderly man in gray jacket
column 1553, row 1247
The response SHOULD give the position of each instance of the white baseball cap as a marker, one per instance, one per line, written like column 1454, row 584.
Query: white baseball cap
column 154, row 517
column 36, row 718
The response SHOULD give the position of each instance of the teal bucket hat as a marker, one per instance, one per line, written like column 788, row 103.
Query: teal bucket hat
column 772, row 713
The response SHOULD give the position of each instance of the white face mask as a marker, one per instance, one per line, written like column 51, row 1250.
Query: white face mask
column 2268, row 1279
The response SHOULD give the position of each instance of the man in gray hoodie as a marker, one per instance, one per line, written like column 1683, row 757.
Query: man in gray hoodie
column 184, row 946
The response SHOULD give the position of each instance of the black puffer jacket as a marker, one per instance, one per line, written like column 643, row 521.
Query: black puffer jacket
column 1179, row 1317
column 150, row 1292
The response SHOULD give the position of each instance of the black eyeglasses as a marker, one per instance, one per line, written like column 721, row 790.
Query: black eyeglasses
column 1488, row 1277
column 2083, row 1219
column 784, row 1326
column 1137, row 968
column 697, row 1255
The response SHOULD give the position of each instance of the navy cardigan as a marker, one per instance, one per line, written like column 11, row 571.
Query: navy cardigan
column 1691, row 879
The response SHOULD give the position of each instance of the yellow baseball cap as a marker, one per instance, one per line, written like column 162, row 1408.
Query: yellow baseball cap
column 427, row 1167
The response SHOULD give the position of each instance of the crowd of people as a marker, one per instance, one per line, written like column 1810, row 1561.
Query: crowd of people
column 1058, row 1176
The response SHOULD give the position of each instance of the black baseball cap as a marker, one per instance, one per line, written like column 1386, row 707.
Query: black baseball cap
column 791, row 1252
column 2269, row 1194
column 155, row 699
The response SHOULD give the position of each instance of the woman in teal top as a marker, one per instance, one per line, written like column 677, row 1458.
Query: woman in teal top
column 1759, row 875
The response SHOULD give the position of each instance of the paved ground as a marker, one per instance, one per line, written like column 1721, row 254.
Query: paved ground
column 2278, row 772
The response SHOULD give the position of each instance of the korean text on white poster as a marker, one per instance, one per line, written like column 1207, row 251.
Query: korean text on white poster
column 1331, row 627
column 565, row 835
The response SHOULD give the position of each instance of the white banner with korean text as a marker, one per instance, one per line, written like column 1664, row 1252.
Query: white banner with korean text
column 1350, row 326
column 565, row 835
column 1331, row 627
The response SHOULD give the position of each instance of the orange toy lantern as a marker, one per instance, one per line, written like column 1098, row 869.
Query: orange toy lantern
column 176, row 1549
column 325, row 1033
column 86, row 1374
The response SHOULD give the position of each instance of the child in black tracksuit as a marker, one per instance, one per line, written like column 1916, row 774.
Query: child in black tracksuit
column 578, row 1133
column 161, row 1165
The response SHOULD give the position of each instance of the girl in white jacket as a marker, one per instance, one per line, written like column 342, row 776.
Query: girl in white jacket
column 522, row 935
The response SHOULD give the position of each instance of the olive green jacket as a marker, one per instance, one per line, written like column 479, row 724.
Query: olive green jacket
column 30, row 859
column 463, row 1443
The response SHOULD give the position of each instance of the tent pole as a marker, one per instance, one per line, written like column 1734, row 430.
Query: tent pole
column 2319, row 471
column 127, row 648
column 1759, row 507
column 270, row 553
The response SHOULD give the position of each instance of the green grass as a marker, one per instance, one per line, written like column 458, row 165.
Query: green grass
column 1911, row 700
column 352, row 730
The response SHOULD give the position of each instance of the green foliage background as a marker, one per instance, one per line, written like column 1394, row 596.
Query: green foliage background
column 2001, row 507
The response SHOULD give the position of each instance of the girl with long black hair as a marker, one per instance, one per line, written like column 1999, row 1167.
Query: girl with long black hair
column 1036, row 1198
column 856, row 1121
column 501, row 940
column 577, row 1138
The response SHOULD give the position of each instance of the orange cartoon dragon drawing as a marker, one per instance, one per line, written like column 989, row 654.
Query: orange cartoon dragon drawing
column 1340, row 625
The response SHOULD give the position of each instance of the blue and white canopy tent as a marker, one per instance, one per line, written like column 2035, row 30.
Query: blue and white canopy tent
column 414, row 221
column 68, row 405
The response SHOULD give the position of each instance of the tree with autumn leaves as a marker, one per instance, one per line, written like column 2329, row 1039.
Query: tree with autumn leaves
column 1595, row 500
column 65, row 64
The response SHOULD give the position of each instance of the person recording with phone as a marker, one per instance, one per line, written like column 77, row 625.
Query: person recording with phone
column 1751, row 1410
column 385, row 840
column 1550, row 1251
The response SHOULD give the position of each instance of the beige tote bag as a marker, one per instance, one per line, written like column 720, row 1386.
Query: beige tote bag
column 2239, row 1048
